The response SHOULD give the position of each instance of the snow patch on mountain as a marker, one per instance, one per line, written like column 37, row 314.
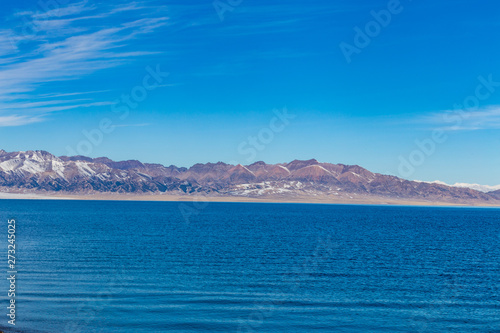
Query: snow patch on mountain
column 282, row 167
column 83, row 168
column 10, row 165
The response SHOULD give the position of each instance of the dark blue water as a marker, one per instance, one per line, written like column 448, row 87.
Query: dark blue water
column 88, row 266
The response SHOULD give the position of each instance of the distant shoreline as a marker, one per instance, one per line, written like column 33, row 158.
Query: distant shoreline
column 359, row 200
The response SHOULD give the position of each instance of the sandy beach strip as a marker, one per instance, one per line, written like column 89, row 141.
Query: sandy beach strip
column 326, row 199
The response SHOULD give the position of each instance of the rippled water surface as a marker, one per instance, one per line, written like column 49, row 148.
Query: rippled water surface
column 232, row 267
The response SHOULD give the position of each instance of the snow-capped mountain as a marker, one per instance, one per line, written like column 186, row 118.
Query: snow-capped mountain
column 477, row 187
column 42, row 171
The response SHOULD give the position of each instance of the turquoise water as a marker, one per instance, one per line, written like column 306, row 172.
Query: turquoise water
column 88, row 266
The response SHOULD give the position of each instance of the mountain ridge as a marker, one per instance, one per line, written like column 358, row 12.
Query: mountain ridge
column 41, row 171
column 478, row 187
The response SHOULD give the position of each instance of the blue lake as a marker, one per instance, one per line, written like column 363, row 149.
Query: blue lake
column 93, row 266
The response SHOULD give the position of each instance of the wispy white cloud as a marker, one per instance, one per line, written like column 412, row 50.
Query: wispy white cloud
column 57, row 95
column 460, row 120
column 7, row 45
column 17, row 120
column 61, row 11
column 66, row 43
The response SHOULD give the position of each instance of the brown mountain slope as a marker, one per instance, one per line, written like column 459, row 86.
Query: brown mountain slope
column 42, row 171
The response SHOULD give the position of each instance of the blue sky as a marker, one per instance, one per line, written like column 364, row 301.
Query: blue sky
column 409, row 88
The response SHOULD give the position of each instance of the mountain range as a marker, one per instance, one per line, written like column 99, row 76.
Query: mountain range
column 41, row 172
